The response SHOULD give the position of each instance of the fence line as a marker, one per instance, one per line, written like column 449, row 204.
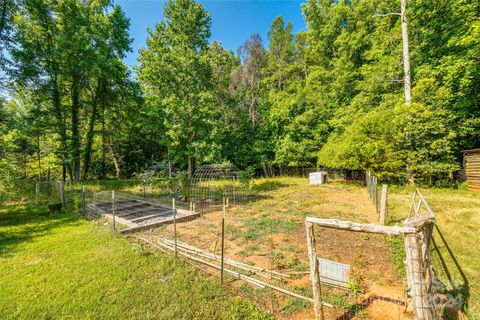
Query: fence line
column 417, row 233
column 378, row 198
column 372, row 187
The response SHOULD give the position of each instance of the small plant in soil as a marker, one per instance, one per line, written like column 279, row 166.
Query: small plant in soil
column 293, row 305
column 355, row 285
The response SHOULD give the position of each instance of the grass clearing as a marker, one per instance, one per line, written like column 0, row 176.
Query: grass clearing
column 61, row 266
column 456, row 242
column 46, row 250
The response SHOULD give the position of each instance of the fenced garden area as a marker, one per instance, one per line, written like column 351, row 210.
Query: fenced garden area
column 257, row 247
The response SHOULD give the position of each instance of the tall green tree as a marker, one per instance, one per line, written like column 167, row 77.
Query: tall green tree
column 176, row 77
column 70, row 52
column 8, row 9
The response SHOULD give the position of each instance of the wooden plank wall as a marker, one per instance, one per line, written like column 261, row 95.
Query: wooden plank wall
column 472, row 168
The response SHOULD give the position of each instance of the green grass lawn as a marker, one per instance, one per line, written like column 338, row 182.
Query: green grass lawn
column 456, row 246
column 63, row 267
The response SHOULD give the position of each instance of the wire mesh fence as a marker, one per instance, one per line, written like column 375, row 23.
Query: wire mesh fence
column 267, row 252
column 333, row 173
column 447, row 284
column 131, row 213
column 259, row 260
column 372, row 187
column 356, row 276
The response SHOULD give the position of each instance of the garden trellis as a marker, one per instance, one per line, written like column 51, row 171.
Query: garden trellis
column 213, row 182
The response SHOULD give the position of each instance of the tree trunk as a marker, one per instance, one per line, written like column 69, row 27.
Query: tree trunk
column 406, row 54
column 75, row 131
column 57, row 105
column 70, row 172
column 116, row 163
column 190, row 168
column 38, row 154
column 91, row 131
column 104, row 147
column 265, row 171
column 3, row 19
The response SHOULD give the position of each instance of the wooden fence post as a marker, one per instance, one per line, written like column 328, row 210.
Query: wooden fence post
column 113, row 210
column 314, row 272
column 62, row 193
column 175, row 225
column 37, row 192
column 383, row 205
column 417, row 282
column 223, row 241
column 84, row 200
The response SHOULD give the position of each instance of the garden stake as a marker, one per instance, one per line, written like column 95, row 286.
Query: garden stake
column 223, row 241
column 174, row 225
column 84, row 204
column 113, row 209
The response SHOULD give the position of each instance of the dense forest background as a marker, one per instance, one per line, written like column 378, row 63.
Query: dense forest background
column 330, row 96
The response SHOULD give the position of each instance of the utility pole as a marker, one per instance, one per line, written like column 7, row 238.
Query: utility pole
column 406, row 54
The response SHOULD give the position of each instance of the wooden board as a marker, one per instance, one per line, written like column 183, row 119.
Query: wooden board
column 472, row 170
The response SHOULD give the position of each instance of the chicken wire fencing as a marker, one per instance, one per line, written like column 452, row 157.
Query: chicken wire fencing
column 356, row 274
column 265, row 259
column 372, row 188
column 449, row 289
column 213, row 182
column 333, row 173
column 131, row 213
column 58, row 195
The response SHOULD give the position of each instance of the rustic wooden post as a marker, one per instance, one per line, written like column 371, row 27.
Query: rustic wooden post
column 418, row 207
column 223, row 241
column 367, row 178
column 383, row 205
column 416, row 280
column 314, row 272
column 37, row 192
column 412, row 205
column 113, row 210
column 84, row 202
column 175, row 225
column 62, row 193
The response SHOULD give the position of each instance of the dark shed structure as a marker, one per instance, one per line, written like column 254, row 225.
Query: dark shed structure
column 471, row 161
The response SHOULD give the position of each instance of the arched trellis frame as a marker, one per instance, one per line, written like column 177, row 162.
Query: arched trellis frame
column 213, row 182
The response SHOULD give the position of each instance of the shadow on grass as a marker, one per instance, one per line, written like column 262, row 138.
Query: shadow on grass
column 24, row 223
column 453, row 281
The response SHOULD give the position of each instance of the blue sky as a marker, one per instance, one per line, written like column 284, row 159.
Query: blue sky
column 233, row 21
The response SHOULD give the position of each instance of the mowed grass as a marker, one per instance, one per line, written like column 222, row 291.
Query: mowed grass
column 456, row 245
column 63, row 267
